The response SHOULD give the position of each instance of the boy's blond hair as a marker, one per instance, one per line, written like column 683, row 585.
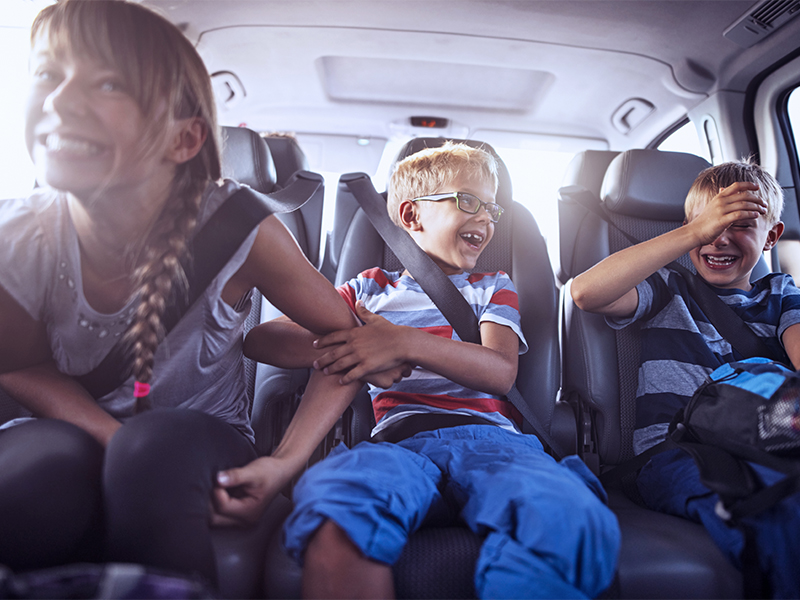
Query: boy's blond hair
column 427, row 171
column 709, row 182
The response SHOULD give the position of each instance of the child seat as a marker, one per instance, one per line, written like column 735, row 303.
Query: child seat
column 439, row 562
column 661, row 556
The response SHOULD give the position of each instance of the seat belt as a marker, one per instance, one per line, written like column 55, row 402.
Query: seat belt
column 724, row 319
column 436, row 285
column 212, row 247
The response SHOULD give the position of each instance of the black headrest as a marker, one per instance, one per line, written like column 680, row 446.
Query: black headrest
column 287, row 156
column 651, row 184
column 247, row 159
column 588, row 168
column 504, row 196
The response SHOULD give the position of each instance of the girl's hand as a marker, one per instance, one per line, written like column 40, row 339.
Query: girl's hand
column 375, row 347
column 737, row 202
column 385, row 379
column 241, row 495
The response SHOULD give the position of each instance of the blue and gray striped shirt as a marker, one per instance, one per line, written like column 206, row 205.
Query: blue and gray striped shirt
column 680, row 347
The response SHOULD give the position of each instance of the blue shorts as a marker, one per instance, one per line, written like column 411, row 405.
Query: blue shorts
column 670, row 483
column 547, row 533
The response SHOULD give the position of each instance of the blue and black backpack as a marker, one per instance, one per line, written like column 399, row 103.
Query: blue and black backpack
column 746, row 413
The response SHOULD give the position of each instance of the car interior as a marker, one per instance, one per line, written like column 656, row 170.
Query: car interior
column 593, row 107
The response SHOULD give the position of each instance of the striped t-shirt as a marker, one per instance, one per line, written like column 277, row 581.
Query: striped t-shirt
column 680, row 347
column 399, row 299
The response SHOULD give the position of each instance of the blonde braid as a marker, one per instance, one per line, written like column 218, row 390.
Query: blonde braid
column 161, row 271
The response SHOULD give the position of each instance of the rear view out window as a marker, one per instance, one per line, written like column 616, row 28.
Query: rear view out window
column 685, row 139
column 793, row 111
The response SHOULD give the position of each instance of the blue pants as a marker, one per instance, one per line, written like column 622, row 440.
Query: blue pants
column 547, row 534
column 670, row 483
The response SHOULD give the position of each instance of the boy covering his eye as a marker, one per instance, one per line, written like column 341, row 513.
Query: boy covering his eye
column 732, row 216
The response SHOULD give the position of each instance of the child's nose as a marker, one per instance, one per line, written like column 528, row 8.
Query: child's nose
column 722, row 239
column 68, row 97
column 483, row 213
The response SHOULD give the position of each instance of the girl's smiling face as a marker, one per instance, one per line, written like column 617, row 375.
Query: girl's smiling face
column 84, row 130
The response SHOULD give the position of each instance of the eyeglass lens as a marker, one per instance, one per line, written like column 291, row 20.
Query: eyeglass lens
column 472, row 204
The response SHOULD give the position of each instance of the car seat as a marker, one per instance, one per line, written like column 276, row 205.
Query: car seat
column 306, row 222
column 586, row 169
column 439, row 562
column 266, row 164
column 248, row 158
column 661, row 556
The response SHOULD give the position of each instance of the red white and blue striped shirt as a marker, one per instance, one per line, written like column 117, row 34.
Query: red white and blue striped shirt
column 400, row 300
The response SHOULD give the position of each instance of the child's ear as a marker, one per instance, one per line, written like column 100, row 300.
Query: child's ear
column 773, row 235
column 409, row 215
column 187, row 139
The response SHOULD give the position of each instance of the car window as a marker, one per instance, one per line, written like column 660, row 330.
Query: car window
column 789, row 249
column 536, row 175
column 793, row 111
column 16, row 17
column 685, row 139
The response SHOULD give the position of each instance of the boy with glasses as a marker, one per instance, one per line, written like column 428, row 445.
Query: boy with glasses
column 446, row 444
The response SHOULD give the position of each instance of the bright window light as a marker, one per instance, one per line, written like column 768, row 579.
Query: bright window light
column 536, row 176
column 793, row 109
column 16, row 17
column 685, row 139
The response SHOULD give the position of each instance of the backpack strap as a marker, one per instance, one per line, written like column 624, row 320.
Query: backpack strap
column 632, row 465
column 212, row 247
column 724, row 319
column 436, row 285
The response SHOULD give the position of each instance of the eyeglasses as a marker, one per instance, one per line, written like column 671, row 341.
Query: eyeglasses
column 467, row 203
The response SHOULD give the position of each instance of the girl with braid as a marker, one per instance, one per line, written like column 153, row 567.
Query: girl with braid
column 122, row 129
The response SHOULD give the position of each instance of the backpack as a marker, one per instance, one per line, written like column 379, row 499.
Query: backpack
column 745, row 412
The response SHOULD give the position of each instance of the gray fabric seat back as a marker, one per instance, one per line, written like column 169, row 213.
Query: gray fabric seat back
column 267, row 164
column 517, row 248
column 643, row 193
column 306, row 222
column 587, row 170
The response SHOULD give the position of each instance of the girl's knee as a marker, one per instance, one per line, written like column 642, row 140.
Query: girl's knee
column 158, row 427
column 157, row 438
column 56, row 447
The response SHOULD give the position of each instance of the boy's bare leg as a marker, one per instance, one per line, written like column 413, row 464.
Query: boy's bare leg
column 336, row 568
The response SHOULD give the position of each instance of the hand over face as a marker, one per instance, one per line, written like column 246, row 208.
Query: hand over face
column 737, row 202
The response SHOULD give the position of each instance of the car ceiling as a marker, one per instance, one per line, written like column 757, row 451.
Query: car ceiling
column 558, row 67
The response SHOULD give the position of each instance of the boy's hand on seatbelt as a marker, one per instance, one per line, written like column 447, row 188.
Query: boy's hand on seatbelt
column 360, row 352
column 241, row 495
column 737, row 202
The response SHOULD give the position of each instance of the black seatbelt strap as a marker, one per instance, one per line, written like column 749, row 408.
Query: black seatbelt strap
column 724, row 319
column 436, row 285
column 429, row 276
column 212, row 247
